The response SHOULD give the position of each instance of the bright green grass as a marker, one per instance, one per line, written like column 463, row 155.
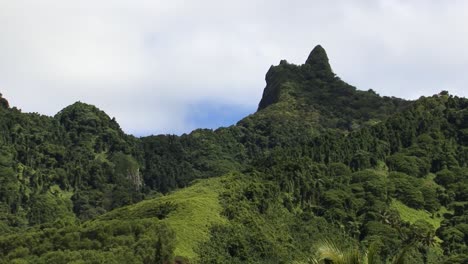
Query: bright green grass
column 411, row 215
column 197, row 209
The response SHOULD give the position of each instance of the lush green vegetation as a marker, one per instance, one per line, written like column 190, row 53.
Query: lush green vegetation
column 319, row 161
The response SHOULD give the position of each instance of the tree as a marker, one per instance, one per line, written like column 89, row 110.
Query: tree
column 165, row 245
column 331, row 252
column 3, row 102
column 424, row 237
column 9, row 184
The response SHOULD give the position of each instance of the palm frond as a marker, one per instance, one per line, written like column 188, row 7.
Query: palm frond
column 372, row 254
column 328, row 250
column 400, row 257
column 352, row 256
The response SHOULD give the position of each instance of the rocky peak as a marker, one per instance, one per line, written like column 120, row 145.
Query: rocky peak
column 318, row 60
column 317, row 66
column 3, row 102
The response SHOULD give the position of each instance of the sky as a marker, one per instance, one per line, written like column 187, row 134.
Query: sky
column 172, row 66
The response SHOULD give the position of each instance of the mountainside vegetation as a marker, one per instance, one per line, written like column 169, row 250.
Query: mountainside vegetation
column 321, row 173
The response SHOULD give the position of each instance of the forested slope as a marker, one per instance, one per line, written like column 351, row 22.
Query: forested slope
column 319, row 160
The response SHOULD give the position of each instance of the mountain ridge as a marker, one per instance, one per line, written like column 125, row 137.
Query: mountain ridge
column 318, row 159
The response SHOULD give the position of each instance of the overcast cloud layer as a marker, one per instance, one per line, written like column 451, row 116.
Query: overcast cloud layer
column 162, row 66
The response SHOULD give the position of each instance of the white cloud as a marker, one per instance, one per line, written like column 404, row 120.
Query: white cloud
column 144, row 62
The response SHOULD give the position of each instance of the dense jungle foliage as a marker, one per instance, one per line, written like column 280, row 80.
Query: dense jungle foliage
column 320, row 165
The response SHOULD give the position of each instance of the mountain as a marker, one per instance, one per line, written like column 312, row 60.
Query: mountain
column 318, row 161
column 313, row 87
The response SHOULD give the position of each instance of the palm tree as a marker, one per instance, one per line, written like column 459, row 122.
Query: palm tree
column 424, row 237
column 329, row 252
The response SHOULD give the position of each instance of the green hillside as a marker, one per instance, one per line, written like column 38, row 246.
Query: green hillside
column 320, row 163
column 189, row 212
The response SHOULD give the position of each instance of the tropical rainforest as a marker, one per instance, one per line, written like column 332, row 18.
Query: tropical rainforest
column 321, row 173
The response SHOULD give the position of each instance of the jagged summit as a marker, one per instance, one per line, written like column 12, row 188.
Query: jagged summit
column 316, row 67
column 3, row 102
column 318, row 59
column 312, row 89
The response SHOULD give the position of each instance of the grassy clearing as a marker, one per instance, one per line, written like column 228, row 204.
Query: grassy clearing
column 195, row 210
column 411, row 215
column 198, row 208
